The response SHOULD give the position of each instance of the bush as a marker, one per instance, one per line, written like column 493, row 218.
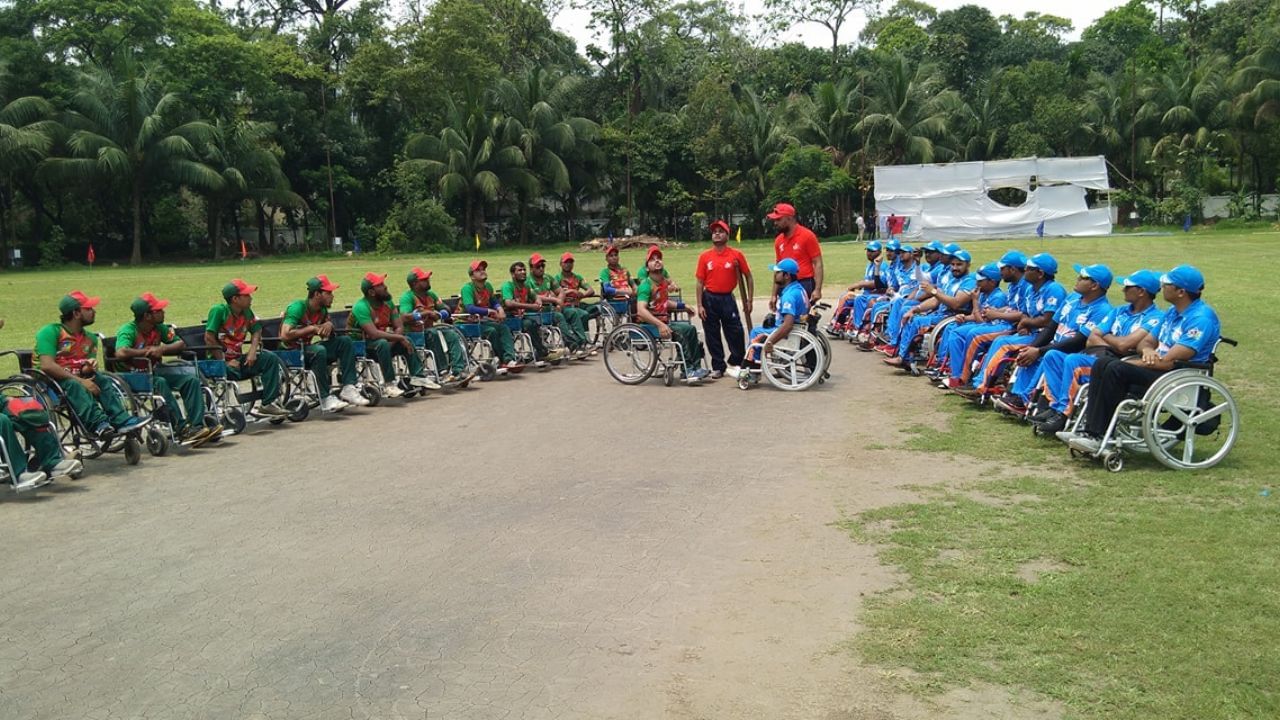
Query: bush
column 52, row 248
column 417, row 226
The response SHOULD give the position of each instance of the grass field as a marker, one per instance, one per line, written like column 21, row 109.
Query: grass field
column 1158, row 590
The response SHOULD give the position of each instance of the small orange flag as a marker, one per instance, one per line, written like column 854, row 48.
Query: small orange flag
column 244, row 252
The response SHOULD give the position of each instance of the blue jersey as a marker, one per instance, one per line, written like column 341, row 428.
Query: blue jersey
column 952, row 285
column 1197, row 327
column 1019, row 293
column 1046, row 299
column 995, row 299
column 1123, row 321
column 873, row 270
column 793, row 300
column 1074, row 316
column 904, row 280
column 938, row 273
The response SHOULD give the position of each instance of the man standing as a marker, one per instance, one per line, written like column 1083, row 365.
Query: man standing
column 377, row 321
column 721, row 270
column 308, row 320
column 797, row 242
column 227, row 328
column 421, row 309
column 69, row 355
column 862, row 227
column 144, row 342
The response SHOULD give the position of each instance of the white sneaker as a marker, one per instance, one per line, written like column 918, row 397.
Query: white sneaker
column 392, row 390
column 331, row 404
column 351, row 396
column 733, row 371
column 31, row 480
column 540, row 363
column 272, row 409
column 66, row 468
column 424, row 382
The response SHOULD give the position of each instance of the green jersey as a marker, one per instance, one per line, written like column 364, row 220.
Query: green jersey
column 479, row 296
column 231, row 330
column 298, row 316
column 71, row 351
column 382, row 316
column 133, row 337
column 572, row 281
column 655, row 295
column 618, row 278
column 410, row 302
column 546, row 285
column 518, row 292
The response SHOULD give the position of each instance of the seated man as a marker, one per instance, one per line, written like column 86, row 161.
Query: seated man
column 308, row 320
column 939, row 274
column 990, row 299
column 144, row 342
column 955, row 295
column 966, row 343
column 26, row 416
column 376, row 320
column 69, row 356
column 853, row 305
column 793, row 304
column 616, row 281
column 517, row 299
column 575, row 288
column 227, row 328
column 654, row 306
column 1076, row 318
column 1188, row 332
column 479, row 299
column 1119, row 335
column 421, row 310
column 570, row 320
column 1042, row 303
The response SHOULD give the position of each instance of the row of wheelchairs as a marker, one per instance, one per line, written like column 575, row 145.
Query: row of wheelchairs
column 230, row 405
column 1186, row 420
column 634, row 351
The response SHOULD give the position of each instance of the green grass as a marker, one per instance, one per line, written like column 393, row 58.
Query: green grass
column 1162, row 586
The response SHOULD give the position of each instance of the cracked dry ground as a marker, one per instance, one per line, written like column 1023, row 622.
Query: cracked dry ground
column 550, row 546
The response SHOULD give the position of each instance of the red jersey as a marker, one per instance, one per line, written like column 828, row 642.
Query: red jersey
column 801, row 246
column 719, row 271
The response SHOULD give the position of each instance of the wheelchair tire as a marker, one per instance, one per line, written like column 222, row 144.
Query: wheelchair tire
column 298, row 409
column 488, row 371
column 669, row 376
column 158, row 443
column 372, row 393
column 235, row 421
column 132, row 450
column 631, row 354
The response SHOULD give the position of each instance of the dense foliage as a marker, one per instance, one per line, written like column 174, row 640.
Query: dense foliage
column 187, row 128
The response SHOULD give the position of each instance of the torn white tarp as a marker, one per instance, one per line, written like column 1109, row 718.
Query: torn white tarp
column 953, row 201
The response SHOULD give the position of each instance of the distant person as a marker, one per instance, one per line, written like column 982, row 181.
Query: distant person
column 862, row 227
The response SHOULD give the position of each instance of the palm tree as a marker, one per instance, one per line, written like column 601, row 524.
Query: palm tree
column 1189, row 104
column 132, row 134
column 766, row 137
column 26, row 135
column 244, row 155
column 1109, row 123
column 473, row 159
column 828, row 119
column 1254, row 111
column 909, row 113
column 548, row 139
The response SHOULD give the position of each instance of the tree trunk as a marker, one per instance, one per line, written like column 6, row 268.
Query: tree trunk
column 135, row 258
column 213, row 223
column 468, row 220
column 262, row 234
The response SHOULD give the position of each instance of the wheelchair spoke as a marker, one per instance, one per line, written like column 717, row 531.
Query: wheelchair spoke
column 1209, row 414
column 1188, row 447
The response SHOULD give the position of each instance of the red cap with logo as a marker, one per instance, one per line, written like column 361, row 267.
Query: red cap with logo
column 653, row 250
column 153, row 302
column 782, row 210
column 719, row 224
column 611, row 250
column 536, row 259
column 419, row 274
column 85, row 301
column 567, row 257
column 479, row 265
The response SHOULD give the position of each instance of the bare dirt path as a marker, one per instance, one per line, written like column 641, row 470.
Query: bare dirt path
column 554, row 545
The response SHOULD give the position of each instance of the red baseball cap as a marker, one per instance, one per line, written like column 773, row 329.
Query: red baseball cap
column 154, row 303
column 322, row 282
column 82, row 300
column 782, row 210
column 567, row 257
column 536, row 258
column 611, row 250
column 653, row 250
column 479, row 265
column 719, row 224
column 371, row 280
column 237, row 287
column 417, row 274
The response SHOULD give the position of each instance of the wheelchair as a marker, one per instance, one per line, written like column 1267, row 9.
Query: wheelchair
column 523, row 343
column 1187, row 420
column 77, row 439
column 425, row 356
column 18, row 387
column 299, row 391
column 434, row 365
column 634, row 352
column 161, row 436
column 794, row 364
column 552, row 338
column 479, row 350
column 610, row 314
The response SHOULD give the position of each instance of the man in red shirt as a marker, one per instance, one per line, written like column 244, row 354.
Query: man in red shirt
column 797, row 242
column 720, row 270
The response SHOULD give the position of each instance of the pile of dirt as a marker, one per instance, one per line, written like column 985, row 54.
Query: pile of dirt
column 627, row 243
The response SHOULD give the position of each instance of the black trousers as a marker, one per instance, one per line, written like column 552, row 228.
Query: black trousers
column 1109, row 382
column 723, row 317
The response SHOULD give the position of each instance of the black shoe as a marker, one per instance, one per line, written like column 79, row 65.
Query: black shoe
column 1056, row 422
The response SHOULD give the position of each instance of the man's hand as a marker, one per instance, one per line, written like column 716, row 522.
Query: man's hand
column 251, row 357
column 325, row 329
column 701, row 311
column 664, row 331
column 155, row 352
column 89, row 385
column 1027, row 356
column 404, row 342
column 815, row 296
column 1150, row 356
column 773, row 304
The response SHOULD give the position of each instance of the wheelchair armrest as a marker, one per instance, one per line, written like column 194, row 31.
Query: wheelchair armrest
column 1188, row 365
column 1229, row 341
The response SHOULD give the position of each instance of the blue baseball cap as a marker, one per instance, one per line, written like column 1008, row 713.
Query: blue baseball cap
column 906, row 249
column 1100, row 274
column 1044, row 262
column 950, row 249
column 894, row 245
column 962, row 255
column 874, row 246
column 933, row 246
column 787, row 265
column 1013, row 258
column 1185, row 277
column 990, row 271
column 1148, row 280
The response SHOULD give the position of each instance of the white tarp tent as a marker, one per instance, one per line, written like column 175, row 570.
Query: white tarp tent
column 951, row 201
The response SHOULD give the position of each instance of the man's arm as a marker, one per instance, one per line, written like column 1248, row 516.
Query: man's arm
column 780, row 332
column 1150, row 357
column 816, row 295
column 642, row 312
column 211, row 341
column 698, row 309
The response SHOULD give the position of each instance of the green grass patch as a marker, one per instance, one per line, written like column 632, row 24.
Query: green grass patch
column 1144, row 594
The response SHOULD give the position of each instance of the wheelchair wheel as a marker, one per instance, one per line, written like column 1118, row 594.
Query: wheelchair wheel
column 669, row 376
column 158, row 443
column 631, row 354
column 234, row 420
column 372, row 393
column 132, row 450
column 787, row 367
column 298, row 409
column 1191, row 422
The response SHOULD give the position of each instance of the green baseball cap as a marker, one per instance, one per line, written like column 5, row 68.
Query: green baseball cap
column 237, row 287
column 75, row 300
column 321, row 282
